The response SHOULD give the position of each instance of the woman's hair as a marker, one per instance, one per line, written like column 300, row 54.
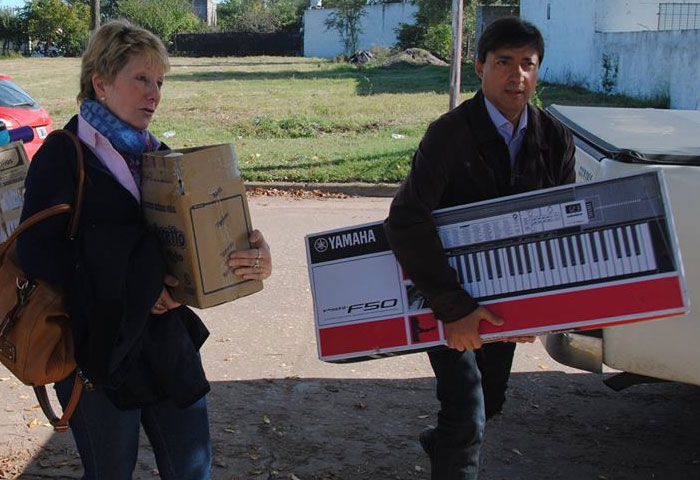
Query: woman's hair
column 111, row 47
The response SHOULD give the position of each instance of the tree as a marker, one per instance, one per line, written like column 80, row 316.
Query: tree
column 53, row 21
column 261, row 16
column 164, row 18
column 12, row 30
column 109, row 9
column 432, row 30
column 346, row 21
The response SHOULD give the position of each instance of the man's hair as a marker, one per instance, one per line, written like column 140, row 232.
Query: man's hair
column 111, row 47
column 510, row 32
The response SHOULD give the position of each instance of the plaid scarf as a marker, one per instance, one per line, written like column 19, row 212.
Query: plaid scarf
column 126, row 140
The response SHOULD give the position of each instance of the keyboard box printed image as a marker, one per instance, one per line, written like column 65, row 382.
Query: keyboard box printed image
column 574, row 257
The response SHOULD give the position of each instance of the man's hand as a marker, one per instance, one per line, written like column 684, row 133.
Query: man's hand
column 463, row 334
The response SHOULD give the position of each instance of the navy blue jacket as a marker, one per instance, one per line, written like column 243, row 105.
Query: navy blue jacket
column 112, row 274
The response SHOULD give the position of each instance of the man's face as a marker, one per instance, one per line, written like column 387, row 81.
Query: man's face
column 508, row 78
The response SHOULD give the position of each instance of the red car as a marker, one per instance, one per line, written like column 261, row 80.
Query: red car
column 18, row 109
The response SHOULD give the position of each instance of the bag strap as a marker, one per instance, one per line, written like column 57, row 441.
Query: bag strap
column 60, row 208
column 80, row 160
column 60, row 424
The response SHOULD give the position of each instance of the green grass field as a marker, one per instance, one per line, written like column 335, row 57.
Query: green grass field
column 291, row 118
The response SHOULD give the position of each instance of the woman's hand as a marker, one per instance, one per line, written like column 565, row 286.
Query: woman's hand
column 165, row 302
column 253, row 264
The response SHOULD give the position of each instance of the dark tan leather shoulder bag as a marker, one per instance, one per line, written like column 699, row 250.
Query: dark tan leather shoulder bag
column 36, row 343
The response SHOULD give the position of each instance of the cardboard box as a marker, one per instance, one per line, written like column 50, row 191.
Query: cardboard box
column 195, row 199
column 13, row 170
column 569, row 258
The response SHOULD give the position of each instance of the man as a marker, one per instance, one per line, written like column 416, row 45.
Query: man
column 493, row 145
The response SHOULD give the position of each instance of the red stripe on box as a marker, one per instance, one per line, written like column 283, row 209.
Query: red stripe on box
column 612, row 301
column 362, row 337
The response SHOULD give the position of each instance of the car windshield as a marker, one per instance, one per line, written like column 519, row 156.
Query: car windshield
column 12, row 96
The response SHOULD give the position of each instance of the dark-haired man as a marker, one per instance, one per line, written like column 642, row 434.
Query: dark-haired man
column 493, row 145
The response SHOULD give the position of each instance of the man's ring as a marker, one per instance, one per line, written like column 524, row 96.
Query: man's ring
column 258, row 257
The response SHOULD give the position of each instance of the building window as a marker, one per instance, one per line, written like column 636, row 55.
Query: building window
column 679, row 16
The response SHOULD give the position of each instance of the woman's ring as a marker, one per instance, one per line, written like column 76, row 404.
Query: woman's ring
column 258, row 257
column 256, row 265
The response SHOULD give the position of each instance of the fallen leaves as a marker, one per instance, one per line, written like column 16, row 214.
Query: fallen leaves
column 292, row 192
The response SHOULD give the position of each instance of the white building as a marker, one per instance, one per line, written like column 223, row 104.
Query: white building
column 378, row 28
column 644, row 49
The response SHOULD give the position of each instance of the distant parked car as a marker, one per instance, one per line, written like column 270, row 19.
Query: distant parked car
column 615, row 141
column 18, row 109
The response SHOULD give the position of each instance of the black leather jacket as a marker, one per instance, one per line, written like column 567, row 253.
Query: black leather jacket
column 463, row 159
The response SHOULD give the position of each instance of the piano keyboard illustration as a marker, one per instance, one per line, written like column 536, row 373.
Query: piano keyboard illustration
column 559, row 261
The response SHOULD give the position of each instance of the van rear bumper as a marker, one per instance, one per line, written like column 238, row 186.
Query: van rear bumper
column 581, row 350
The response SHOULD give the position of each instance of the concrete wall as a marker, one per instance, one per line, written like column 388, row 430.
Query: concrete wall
column 587, row 44
column 378, row 28
column 652, row 65
column 568, row 31
column 629, row 15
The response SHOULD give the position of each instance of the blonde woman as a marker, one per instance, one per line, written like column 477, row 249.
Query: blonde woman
column 133, row 342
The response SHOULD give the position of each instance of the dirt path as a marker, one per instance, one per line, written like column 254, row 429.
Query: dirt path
column 277, row 412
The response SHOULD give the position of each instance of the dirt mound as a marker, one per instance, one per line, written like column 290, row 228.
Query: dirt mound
column 414, row 56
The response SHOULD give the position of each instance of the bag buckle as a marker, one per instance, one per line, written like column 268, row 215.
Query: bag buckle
column 87, row 384
column 24, row 290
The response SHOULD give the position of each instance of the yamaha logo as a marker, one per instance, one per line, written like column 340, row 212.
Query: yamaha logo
column 321, row 245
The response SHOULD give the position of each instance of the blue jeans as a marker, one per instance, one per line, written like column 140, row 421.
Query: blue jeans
column 108, row 438
column 495, row 360
column 461, row 419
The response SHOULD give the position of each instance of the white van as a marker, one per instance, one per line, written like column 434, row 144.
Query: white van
column 617, row 141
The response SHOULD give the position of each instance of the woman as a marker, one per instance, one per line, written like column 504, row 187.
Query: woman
column 133, row 342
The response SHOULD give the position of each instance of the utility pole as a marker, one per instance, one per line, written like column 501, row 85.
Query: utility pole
column 456, row 54
column 94, row 15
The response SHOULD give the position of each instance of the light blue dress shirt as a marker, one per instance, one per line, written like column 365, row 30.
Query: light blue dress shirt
column 514, row 139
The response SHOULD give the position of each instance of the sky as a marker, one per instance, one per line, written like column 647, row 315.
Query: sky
column 11, row 3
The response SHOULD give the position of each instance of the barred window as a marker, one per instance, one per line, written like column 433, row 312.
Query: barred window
column 679, row 16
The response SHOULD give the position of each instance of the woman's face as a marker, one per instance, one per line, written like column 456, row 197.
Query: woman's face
column 134, row 94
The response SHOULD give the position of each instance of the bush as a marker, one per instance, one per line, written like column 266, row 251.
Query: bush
column 409, row 36
column 438, row 41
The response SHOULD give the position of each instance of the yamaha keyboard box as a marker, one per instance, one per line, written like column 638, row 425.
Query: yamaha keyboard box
column 575, row 257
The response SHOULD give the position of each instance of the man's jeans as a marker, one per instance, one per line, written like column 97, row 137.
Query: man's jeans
column 108, row 438
column 495, row 360
column 460, row 426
